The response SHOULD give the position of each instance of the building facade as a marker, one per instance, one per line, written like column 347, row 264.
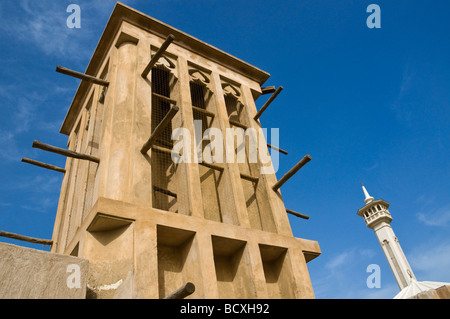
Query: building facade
column 147, row 224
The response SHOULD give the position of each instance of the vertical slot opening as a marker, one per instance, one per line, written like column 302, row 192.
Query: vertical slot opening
column 163, row 168
column 233, row 273
column 177, row 260
column 277, row 271
column 210, row 178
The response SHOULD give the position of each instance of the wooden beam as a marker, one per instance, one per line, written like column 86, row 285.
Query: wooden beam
column 81, row 76
column 269, row 101
column 249, row 178
column 157, row 55
column 181, row 293
column 164, row 98
column 26, row 238
column 212, row 166
column 268, row 90
column 203, row 111
column 64, row 152
column 161, row 126
column 162, row 149
column 164, row 191
column 291, row 172
column 296, row 214
column 235, row 123
column 43, row 165
column 277, row 149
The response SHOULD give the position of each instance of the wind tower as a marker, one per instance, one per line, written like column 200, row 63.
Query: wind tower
column 377, row 217
column 151, row 227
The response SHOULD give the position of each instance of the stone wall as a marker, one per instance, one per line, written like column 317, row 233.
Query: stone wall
column 27, row 273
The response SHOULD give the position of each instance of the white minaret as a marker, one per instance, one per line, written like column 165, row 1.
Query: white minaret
column 377, row 217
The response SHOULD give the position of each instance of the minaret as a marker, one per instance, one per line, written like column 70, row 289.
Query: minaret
column 377, row 217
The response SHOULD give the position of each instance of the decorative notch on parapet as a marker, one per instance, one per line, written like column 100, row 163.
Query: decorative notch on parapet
column 199, row 77
column 165, row 64
column 234, row 105
column 201, row 90
column 230, row 90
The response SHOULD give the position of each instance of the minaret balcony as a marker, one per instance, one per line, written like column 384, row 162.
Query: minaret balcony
column 375, row 212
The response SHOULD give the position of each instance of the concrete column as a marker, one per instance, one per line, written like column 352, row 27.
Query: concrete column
column 257, row 270
column 146, row 261
column 140, row 182
column 301, row 280
column 209, row 288
column 118, row 141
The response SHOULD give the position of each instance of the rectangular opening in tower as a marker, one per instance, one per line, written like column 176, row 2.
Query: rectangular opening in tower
column 233, row 271
column 235, row 109
column 210, row 178
column 163, row 169
column 277, row 272
column 177, row 260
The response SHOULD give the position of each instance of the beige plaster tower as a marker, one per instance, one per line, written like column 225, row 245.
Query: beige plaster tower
column 147, row 224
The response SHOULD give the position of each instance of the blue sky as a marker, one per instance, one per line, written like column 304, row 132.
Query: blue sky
column 370, row 105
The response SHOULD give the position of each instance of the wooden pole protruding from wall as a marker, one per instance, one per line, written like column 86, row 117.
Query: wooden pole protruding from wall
column 268, row 90
column 296, row 214
column 277, row 149
column 157, row 55
column 81, row 76
column 61, row 151
column 26, row 238
column 161, row 126
column 43, row 165
column 181, row 293
column 269, row 101
column 291, row 172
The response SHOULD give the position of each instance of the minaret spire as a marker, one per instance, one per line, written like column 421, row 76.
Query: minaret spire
column 368, row 198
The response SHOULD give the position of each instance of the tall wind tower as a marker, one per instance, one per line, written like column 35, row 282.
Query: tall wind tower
column 148, row 225
column 377, row 217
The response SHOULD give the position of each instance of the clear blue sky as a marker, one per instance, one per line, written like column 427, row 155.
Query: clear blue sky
column 370, row 105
